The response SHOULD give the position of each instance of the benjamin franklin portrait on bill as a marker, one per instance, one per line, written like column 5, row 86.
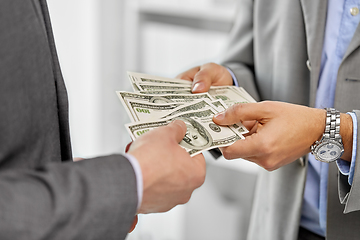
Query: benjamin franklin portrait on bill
column 196, row 137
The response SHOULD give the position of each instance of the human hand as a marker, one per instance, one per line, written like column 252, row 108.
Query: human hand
column 281, row 133
column 207, row 75
column 170, row 175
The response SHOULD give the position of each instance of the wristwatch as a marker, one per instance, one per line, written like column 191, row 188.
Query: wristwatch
column 330, row 147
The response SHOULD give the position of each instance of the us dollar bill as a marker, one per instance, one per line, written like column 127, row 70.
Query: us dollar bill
column 229, row 94
column 146, row 78
column 195, row 106
column 167, row 91
column 217, row 106
column 160, row 98
column 220, row 105
column 163, row 86
column 144, row 111
column 202, row 133
column 246, row 94
column 125, row 97
column 145, row 83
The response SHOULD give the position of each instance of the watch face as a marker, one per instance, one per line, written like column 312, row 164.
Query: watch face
column 329, row 151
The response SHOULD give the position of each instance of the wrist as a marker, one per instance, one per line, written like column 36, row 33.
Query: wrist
column 346, row 132
column 320, row 126
column 331, row 146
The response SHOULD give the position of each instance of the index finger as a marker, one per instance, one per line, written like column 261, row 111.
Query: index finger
column 243, row 112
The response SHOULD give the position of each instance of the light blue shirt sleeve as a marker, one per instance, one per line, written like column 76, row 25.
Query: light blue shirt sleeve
column 139, row 180
column 346, row 168
column 235, row 82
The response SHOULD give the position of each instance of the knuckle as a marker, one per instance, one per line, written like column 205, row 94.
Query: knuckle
column 197, row 180
column 268, row 165
column 185, row 199
column 268, row 106
column 267, row 103
column 237, row 109
column 181, row 75
column 266, row 149
column 200, row 179
column 267, row 146
column 228, row 153
column 211, row 65
column 201, row 74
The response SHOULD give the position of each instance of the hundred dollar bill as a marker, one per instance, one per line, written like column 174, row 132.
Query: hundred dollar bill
column 195, row 106
column 168, row 91
column 133, row 84
column 162, row 86
column 144, row 111
column 220, row 105
column 202, row 133
column 146, row 78
column 246, row 94
column 163, row 98
column 150, row 80
column 217, row 106
column 229, row 94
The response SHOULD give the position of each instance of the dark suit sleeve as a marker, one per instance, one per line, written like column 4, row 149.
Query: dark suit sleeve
column 238, row 55
column 90, row 199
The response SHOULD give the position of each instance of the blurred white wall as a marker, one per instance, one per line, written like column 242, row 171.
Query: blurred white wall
column 97, row 42
column 89, row 38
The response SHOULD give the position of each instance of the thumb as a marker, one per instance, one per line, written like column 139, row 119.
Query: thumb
column 177, row 129
column 240, row 112
column 202, row 81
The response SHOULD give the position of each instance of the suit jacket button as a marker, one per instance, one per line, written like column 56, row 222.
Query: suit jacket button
column 308, row 65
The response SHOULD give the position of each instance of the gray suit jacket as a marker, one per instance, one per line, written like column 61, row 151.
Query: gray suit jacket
column 269, row 46
column 41, row 197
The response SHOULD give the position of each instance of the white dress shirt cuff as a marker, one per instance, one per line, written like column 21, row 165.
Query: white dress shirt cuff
column 346, row 168
column 139, row 180
column 235, row 82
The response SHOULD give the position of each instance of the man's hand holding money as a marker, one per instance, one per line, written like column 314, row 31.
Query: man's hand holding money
column 170, row 175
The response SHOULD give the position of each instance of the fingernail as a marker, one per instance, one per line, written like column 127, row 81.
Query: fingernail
column 198, row 87
column 220, row 116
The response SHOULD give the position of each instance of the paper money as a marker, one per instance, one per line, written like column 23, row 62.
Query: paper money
column 168, row 91
column 145, row 111
column 229, row 94
column 163, row 86
column 146, row 78
column 125, row 97
column 196, row 106
column 157, row 101
column 162, row 98
column 202, row 133
column 246, row 95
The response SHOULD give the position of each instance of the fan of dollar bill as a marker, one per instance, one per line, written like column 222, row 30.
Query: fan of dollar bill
column 157, row 101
